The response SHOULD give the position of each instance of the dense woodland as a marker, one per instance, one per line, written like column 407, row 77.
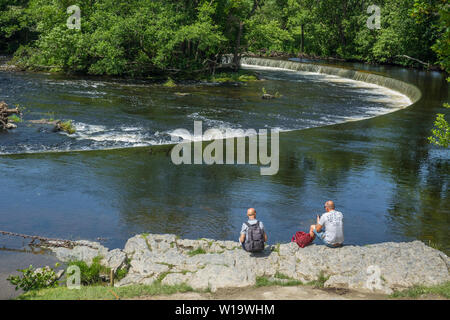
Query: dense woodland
column 141, row 37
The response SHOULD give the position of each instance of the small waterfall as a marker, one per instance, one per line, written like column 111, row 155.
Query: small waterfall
column 411, row 91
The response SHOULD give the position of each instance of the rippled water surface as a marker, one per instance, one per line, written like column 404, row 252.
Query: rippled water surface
column 388, row 181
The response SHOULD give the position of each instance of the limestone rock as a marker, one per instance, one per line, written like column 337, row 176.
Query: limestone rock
column 135, row 244
column 382, row 267
column 216, row 276
column 114, row 259
column 85, row 251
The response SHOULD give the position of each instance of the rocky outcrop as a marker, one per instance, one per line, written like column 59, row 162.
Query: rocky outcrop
column 5, row 112
column 210, row 264
column 84, row 251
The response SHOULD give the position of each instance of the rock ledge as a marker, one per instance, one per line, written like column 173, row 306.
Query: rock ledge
column 211, row 264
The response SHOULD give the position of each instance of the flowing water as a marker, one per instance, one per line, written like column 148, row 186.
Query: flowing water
column 114, row 177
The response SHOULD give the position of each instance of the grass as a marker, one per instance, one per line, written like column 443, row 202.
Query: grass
column 196, row 251
column 121, row 273
column 240, row 76
column 276, row 95
column 276, row 248
column 104, row 293
column 279, row 275
column 435, row 245
column 68, row 127
column 91, row 275
column 267, row 282
column 417, row 291
column 15, row 118
column 320, row 282
column 170, row 83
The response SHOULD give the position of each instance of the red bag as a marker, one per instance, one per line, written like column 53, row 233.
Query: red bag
column 302, row 239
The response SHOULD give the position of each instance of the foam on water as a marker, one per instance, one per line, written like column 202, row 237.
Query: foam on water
column 113, row 136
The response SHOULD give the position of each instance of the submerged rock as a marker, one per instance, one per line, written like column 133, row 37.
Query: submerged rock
column 267, row 96
column 207, row 263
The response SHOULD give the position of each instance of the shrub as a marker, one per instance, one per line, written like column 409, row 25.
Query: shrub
column 34, row 279
column 68, row 127
column 15, row 118
column 91, row 274
column 169, row 83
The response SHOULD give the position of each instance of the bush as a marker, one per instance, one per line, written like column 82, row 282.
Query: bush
column 170, row 83
column 68, row 127
column 91, row 274
column 34, row 279
column 15, row 118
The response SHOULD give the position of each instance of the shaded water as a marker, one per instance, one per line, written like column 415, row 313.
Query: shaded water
column 388, row 181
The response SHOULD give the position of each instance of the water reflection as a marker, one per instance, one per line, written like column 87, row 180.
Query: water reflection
column 388, row 181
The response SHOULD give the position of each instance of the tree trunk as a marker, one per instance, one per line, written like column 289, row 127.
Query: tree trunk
column 302, row 46
column 236, row 57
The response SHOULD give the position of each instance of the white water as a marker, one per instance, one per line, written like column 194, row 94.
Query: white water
column 102, row 137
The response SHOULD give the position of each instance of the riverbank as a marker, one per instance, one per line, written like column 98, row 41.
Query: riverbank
column 209, row 265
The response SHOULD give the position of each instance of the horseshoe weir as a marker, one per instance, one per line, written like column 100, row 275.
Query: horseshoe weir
column 353, row 133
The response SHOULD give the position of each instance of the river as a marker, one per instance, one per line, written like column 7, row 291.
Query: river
column 360, row 144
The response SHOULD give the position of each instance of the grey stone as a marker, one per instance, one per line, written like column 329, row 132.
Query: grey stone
column 135, row 244
column 114, row 259
column 81, row 252
column 397, row 265
column 130, row 279
column 176, row 278
column 217, row 276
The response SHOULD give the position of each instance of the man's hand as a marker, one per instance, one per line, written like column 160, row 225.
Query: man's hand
column 318, row 219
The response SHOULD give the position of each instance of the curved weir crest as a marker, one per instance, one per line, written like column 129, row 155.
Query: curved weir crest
column 389, row 95
column 410, row 90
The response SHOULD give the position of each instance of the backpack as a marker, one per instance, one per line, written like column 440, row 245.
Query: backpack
column 255, row 239
column 302, row 239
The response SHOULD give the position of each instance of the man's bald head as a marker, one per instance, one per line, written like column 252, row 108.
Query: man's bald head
column 251, row 212
column 329, row 204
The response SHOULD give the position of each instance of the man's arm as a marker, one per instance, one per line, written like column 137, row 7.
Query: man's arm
column 242, row 238
column 318, row 225
column 265, row 236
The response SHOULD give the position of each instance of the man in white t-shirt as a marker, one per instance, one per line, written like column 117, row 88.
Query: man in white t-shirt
column 330, row 227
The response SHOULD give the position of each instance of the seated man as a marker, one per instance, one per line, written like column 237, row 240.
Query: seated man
column 253, row 235
column 330, row 227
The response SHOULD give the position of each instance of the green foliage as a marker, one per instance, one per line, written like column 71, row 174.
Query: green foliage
column 320, row 282
column 68, row 127
column 196, row 251
column 417, row 291
column 121, row 273
column 91, row 274
column 285, row 282
column 15, row 118
column 170, row 83
column 143, row 37
column 240, row 76
column 441, row 131
column 34, row 279
column 105, row 293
